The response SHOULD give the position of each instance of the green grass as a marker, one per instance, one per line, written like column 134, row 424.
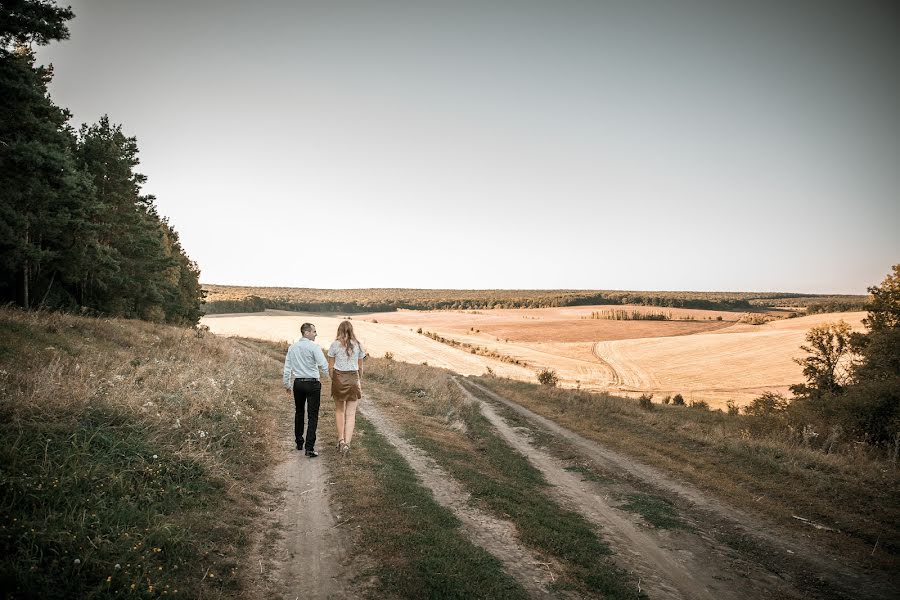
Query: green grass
column 588, row 474
column 417, row 542
column 82, row 496
column 130, row 457
column 505, row 483
column 655, row 510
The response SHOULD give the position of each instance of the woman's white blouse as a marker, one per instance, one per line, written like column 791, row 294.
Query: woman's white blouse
column 342, row 362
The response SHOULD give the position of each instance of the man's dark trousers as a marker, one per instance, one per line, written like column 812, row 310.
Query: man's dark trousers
column 307, row 395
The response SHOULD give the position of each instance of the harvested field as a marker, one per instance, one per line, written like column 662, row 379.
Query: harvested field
column 569, row 324
column 702, row 359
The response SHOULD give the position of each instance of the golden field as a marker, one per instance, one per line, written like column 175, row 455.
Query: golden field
column 694, row 354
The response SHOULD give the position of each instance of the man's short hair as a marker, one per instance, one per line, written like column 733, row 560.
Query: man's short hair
column 305, row 328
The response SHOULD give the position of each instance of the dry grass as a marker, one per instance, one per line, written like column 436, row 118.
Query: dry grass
column 780, row 477
column 130, row 444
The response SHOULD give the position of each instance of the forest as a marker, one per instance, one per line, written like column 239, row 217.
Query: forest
column 76, row 231
column 228, row 299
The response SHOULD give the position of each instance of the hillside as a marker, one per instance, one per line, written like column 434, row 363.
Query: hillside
column 149, row 461
column 130, row 454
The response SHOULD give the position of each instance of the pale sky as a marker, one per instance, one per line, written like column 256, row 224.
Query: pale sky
column 670, row 145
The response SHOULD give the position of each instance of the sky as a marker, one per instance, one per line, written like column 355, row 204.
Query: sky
column 640, row 145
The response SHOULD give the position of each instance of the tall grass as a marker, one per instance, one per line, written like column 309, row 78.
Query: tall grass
column 128, row 453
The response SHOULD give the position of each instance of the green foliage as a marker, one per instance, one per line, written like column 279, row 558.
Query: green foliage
column 548, row 377
column 767, row 405
column 75, row 231
column 827, row 345
column 864, row 403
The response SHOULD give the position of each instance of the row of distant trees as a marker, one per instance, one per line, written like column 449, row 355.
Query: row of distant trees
column 75, row 230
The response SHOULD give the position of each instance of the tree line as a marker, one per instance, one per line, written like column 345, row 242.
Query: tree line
column 76, row 232
column 227, row 299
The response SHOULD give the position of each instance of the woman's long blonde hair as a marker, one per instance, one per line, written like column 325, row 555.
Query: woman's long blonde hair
column 346, row 337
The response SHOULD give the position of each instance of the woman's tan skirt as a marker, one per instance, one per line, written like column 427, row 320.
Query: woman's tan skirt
column 345, row 386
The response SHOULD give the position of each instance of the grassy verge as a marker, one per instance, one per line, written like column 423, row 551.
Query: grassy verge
column 500, row 480
column 129, row 455
column 849, row 492
column 415, row 543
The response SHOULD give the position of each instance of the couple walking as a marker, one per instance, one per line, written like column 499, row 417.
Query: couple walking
column 301, row 377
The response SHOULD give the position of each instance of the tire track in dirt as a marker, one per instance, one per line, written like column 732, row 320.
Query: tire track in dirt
column 842, row 579
column 300, row 550
column 496, row 536
column 664, row 574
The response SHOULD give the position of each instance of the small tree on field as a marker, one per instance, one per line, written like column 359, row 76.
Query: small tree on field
column 678, row 400
column 646, row 401
column 828, row 346
column 547, row 377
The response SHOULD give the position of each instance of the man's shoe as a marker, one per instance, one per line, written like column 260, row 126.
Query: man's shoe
column 300, row 446
column 311, row 453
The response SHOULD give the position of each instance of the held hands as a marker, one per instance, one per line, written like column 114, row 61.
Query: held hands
column 287, row 391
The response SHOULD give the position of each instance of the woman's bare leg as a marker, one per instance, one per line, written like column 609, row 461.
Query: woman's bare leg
column 339, row 418
column 350, row 419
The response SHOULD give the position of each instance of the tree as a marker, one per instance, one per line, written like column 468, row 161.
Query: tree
column 828, row 346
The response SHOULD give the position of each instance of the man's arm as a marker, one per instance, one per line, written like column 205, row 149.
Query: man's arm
column 286, row 376
column 321, row 362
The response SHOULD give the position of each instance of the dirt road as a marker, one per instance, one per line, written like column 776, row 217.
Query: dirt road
column 496, row 536
column 299, row 547
column 693, row 565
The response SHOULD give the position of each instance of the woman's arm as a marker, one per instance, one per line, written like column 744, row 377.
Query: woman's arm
column 331, row 367
column 359, row 367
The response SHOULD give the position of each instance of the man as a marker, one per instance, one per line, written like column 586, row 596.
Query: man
column 302, row 363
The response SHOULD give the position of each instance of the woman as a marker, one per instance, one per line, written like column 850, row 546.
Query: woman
column 345, row 363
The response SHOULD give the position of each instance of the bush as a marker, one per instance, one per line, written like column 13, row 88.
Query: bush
column 678, row 400
column 767, row 405
column 389, row 356
column 700, row 404
column 732, row 408
column 646, row 401
column 547, row 377
column 666, row 399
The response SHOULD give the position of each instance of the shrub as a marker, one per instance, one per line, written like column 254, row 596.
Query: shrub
column 547, row 377
column 666, row 399
column 732, row 408
column 767, row 405
column 700, row 404
column 489, row 372
column 678, row 400
column 646, row 401
column 389, row 356
column 419, row 330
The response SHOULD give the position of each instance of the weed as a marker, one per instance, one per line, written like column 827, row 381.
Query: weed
column 547, row 377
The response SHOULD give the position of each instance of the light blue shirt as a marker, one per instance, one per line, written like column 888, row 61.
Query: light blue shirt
column 304, row 359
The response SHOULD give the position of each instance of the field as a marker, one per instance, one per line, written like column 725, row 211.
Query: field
column 702, row 354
